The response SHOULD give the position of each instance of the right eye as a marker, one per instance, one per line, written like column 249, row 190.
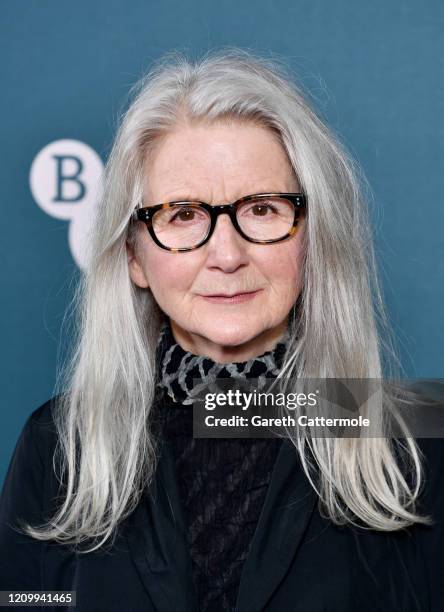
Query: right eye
column 183, row 214
column 186, row 215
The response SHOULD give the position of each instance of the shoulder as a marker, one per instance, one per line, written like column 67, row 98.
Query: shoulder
column 432, row 449
column 430, row 502
column 32, row 458
column 41, row 420
column 43, row 415
column 39, row 433
column 430, row 397
column 432, row 452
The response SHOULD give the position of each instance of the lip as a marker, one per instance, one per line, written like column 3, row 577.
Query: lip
column 236, row 298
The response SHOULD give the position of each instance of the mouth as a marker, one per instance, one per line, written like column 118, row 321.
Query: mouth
column 233, row 298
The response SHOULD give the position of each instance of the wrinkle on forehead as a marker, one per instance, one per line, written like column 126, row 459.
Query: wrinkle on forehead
column 218, row 176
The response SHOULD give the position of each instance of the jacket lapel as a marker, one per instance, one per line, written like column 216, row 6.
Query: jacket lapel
column 158, row 541
column 288, row 506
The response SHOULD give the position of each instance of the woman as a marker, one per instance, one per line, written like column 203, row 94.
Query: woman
column 184, row 288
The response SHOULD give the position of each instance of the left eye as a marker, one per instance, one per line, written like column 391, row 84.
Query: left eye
column 261, row 209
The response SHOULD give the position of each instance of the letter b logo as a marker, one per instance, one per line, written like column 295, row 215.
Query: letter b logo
column 64, row 180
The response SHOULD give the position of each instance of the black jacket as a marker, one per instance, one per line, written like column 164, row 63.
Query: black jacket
column 298, row 560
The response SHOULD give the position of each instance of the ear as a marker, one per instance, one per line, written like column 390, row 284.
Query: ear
column 135, row 269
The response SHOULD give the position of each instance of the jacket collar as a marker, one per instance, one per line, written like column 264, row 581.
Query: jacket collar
column 158, row 540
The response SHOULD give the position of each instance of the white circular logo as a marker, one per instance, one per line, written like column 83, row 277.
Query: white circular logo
column 65, row 182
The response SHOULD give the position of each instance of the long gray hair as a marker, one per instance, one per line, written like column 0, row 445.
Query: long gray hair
column 106, row 448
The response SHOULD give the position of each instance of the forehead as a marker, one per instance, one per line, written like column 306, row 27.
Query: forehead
column 222, row 161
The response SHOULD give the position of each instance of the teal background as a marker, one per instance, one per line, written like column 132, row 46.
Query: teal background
column 374, row 70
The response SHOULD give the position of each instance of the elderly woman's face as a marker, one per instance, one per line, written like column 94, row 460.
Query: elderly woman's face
column 219, row 164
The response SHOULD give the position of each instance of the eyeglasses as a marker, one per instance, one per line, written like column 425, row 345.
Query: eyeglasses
column 262, row 218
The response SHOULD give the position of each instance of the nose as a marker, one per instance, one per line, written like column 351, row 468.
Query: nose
column 226, row 248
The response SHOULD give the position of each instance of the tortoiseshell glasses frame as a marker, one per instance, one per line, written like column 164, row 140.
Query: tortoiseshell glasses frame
column 146, row 214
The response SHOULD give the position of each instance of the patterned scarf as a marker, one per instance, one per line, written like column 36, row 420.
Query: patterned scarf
column 182, row 374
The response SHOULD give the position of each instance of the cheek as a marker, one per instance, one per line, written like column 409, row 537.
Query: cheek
column 169, row 273
column 283, row 266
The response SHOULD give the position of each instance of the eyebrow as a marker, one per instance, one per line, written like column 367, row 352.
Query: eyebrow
column 191, row 199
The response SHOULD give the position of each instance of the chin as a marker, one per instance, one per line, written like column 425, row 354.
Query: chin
column 228, row 334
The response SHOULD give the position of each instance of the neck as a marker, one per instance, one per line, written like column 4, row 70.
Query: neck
column 200, row 345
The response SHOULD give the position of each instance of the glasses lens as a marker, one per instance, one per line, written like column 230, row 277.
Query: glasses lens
column 266, row 218
column 181, row 226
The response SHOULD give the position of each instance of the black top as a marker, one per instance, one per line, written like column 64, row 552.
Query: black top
column 222, row 482
column 298, row 560
column 222, row 485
